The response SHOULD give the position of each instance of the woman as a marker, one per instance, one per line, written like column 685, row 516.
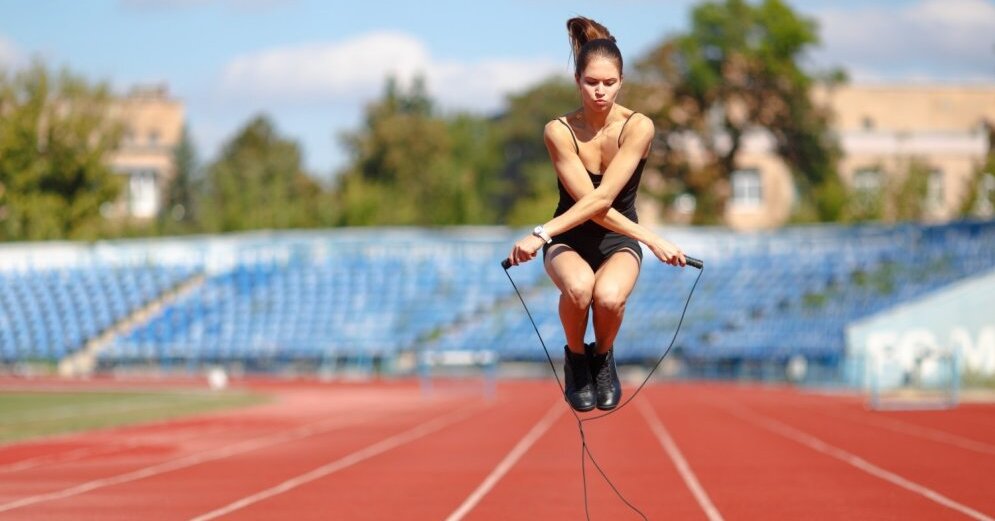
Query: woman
column 590, row 246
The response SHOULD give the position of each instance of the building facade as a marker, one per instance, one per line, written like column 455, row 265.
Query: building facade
column 153, row 126
column 883, row 130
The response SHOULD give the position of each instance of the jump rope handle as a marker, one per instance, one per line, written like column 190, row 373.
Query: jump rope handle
column 691, row 261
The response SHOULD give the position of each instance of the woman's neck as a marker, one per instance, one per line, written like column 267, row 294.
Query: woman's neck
column 596, row 119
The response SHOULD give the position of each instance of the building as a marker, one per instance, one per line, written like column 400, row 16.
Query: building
column 153, row 126
column 882, row 130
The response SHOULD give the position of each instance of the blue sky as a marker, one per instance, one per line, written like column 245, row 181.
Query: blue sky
column 312, row 65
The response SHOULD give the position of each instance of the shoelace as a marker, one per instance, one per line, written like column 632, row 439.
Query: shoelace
column 603, row 377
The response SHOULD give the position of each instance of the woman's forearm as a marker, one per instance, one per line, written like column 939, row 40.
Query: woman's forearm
column 617, row 222
column 592, row 206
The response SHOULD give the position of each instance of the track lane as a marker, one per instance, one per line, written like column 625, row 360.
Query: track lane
column 959, row 473
column 753, row 473
column 149, row 483
column 430, row 476
column 546, row 484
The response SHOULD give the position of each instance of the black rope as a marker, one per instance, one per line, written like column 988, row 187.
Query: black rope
column 585, row 450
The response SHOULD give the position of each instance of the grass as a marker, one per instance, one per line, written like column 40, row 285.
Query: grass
column 26, row 415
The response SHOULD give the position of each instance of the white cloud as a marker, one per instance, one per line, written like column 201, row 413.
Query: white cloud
column 354, row 70
column 947, row 40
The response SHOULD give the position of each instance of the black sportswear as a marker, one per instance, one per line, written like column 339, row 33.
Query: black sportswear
column 593, row 242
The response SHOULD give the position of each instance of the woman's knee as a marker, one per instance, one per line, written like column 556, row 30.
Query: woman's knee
column 579, row 290
column 609, row 298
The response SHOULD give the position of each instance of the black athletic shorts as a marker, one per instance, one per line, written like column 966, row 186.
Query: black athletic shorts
column 595, row 245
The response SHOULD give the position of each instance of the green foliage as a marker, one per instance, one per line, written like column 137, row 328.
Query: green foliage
column 56, row 134
column 529, row 192
column 738, row 69
column 979, row 194
column 412, row 166
column 902, row 196
column 258, row 182
column 179, row 213
column 907, row 194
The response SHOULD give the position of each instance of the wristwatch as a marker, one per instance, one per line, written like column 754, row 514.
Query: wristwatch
column 540, row 232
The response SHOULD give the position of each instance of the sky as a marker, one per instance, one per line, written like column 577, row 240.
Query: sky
column 312, row 65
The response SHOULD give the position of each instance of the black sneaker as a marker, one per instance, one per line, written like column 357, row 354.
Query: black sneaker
column 579, row 385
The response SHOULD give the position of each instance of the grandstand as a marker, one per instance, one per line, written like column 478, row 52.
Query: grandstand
column 368, row 298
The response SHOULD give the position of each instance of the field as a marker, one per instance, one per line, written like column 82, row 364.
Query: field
column 383, row 450
column 33, row 413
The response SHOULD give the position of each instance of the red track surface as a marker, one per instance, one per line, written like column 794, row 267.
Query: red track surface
column 384, row 451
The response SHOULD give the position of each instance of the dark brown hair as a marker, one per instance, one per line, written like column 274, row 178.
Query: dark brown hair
column 589, row 39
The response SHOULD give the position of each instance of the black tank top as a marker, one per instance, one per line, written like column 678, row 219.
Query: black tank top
column 625, row 202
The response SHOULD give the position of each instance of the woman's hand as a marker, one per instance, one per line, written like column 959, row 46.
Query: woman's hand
column 525, row 249
column 667, row 252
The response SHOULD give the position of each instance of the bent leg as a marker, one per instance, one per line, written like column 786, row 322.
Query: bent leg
column 613, row 284
column 575, row 279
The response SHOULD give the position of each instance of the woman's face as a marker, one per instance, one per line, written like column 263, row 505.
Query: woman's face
column 599, row 83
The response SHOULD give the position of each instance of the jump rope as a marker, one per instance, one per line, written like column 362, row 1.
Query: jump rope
column 585, row 451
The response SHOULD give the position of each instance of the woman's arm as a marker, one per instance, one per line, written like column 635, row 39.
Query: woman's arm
column 597, row 202
column 573, row 174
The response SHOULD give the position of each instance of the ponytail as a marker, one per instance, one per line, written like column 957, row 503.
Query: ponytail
column 589, row 39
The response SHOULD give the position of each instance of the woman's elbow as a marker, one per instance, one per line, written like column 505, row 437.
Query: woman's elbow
column 602, row 204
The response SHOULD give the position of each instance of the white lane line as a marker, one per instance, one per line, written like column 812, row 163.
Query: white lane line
column 920, row 431
column 509, row 461
column 678, row 458
column 187, row 461
column 818, row 445
column 360, row 455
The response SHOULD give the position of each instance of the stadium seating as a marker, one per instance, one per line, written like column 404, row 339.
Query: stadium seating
column 46, row 314
column 336, row 298
column 373, row 294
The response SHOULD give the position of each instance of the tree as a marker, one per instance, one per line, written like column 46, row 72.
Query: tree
column 979, row 194
column 410, row 166
column 56, row 133
column 258, row 182
column 736, row 71
column 179, row 213
column 528, row 193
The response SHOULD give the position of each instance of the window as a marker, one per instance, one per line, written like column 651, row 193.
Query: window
column 867, row 122
column 867, row 181
column 934, row 189
column 153, row 137
column 747, row 190
column 143, row 195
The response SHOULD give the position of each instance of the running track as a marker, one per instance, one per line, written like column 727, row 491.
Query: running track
column 383, row 451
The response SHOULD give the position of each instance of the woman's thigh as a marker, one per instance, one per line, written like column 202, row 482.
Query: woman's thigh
column 616, row 277
column 568, row 270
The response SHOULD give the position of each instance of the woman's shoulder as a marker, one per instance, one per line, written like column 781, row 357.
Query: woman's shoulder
column 631, row 116
column 559, row 126
column 563, row 118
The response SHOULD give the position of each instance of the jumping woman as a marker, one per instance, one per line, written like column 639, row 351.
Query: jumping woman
column 591, row 246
